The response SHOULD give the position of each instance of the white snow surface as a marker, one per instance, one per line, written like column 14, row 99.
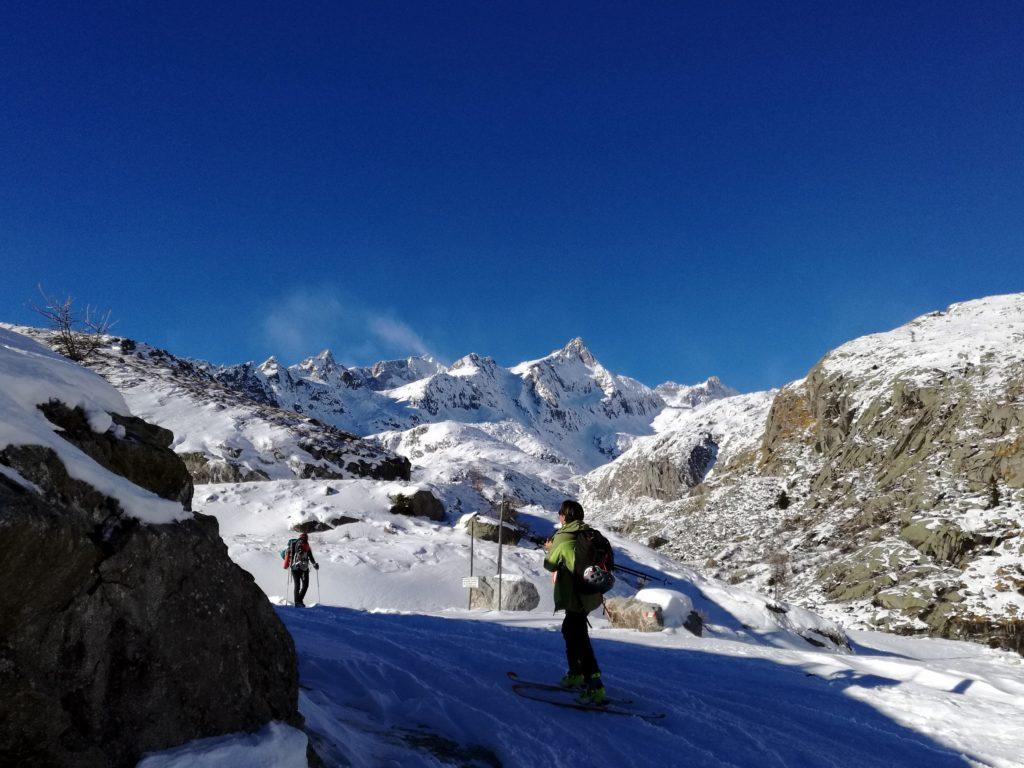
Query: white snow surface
column 385, row 688
column 277, row 745
column 31, row 375
column 395, row 671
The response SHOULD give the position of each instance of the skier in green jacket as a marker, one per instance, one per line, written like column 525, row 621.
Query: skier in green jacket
column 560, row 558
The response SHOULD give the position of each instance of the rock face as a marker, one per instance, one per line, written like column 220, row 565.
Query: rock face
column 516, row 595
column 143, row 455
column 120, row 637
column 422, row 503
column 892, row 476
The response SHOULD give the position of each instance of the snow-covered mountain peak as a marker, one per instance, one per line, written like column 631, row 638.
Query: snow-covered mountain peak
column 577, row 349
column 694, row 395
column 272, row 370
column 472, row 364
column 388, row 374
column 323, row 367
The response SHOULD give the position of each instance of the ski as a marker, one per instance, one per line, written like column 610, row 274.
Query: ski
column 533, row 694
column 515, row 678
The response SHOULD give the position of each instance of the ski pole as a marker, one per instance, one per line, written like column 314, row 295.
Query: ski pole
column 318, row 585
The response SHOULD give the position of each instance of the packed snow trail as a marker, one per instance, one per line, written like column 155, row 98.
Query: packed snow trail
column 428, row 690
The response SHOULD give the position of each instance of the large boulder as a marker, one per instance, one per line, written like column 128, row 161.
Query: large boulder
column 629, row 613
column 119, row 637
column 422, row 503
column 517, row 594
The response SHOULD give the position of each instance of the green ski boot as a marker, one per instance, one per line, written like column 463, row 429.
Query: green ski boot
column 571, row 680
column 594, row 694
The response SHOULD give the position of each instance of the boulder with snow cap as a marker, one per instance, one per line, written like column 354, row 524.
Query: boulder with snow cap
column 630, row 613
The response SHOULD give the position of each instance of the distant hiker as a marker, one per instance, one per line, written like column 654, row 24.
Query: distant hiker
column 298, row 556
column 581, row 559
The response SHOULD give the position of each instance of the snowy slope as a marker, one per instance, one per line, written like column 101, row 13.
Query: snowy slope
column 691, row 445
column 407, row 563
column 226, row 434
column 395, row 671
column 408, row 689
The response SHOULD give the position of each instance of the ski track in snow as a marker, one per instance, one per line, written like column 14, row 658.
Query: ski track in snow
column 442, row 677
column 393, row 675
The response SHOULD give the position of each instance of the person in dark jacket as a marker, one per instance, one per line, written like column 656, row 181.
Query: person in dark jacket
column 560, row 559
column 299, row 557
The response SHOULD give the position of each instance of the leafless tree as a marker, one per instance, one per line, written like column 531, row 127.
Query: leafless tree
column 779, row 562
column 77, row 335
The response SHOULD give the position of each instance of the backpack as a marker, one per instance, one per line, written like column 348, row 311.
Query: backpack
column 593, row 563
column 295, row 556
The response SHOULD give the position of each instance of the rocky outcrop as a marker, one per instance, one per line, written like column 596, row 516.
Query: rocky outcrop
column 206, row 469
column 133, row 449
column 421, row 503
column 662, row 472
column 892, row 477
column 517, row 594
column 120, row 637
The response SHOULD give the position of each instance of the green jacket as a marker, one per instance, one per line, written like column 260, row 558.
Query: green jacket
column 560, row 560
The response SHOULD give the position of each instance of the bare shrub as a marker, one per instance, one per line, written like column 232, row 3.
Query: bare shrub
column 77, row 334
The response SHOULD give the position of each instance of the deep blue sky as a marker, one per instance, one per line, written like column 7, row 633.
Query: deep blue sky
column 728, row 188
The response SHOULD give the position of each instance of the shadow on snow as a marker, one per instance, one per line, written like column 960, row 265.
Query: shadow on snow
column 412, row 689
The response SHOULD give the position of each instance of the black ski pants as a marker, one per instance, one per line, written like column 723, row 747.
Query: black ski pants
column 578, row 650
column 301, row 579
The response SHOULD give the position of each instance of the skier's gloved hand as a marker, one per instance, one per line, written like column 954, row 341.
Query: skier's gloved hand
column 317, row 566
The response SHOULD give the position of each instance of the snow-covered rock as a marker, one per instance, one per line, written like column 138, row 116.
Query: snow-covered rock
column 694, row 395
column 32, row 376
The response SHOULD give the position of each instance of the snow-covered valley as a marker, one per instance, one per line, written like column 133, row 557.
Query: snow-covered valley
column 866, row 495
column 395, row 671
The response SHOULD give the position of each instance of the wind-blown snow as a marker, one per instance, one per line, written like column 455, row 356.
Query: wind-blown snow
column 30, row 376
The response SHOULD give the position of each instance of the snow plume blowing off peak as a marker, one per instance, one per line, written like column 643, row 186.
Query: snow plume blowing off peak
column 307, row 318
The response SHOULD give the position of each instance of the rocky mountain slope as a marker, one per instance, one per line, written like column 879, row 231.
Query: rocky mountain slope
column 228, row 431
column 562, row 408
column 887, row 487
column 476, row 431
column 112, row 641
